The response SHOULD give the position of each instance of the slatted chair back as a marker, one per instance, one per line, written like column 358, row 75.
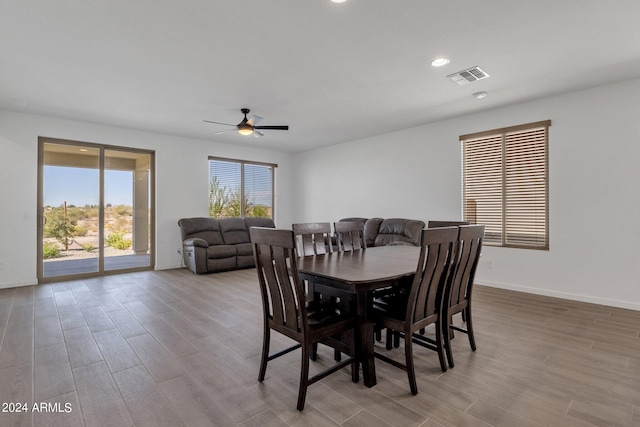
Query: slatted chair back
column 349, row 235
column 438, row 246
column 466, row 263
column 314, row 237
column 282, row 290
column 436, row 224
column 459, row 292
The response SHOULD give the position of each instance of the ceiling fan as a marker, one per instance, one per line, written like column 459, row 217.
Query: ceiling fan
column 248, row 126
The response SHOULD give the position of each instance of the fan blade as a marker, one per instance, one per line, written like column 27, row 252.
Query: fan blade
column 254, row 120
column 257, row 133
column 218, row 123
column 272, row 127
column 225, row 131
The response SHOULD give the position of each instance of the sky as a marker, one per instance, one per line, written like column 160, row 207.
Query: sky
column 79, row 186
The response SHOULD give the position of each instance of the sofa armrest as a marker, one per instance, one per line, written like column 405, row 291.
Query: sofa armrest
column 196, row 242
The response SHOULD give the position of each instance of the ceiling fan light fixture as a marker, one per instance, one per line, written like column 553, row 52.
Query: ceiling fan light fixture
column 245, row 129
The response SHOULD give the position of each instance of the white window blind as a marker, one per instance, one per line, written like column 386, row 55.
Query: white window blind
column 505, row 184
column 239, row 188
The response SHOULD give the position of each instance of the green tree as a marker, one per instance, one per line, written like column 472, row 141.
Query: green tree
column 61, row 226
column 236, row 201
column 218, row 199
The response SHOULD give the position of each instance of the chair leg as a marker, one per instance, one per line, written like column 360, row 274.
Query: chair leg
column 472, row 338
column 379, row 335
column 389, row 335
column 314, row 351
column 396, row 339
column 444, row 327
column 265, row 353
column 440, row 349
column 451, row 335
column 337, row 356
column 304, row 377
column 408, row 354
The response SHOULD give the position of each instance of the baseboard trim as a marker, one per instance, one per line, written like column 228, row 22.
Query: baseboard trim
column 17, row 284
column 168, row 267
column 563, row 295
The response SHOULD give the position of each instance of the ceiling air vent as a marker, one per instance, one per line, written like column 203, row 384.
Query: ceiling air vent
column 469, row 75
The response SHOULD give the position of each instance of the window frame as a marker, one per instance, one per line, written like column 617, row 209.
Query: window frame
column 505, row 218
column 242, row 164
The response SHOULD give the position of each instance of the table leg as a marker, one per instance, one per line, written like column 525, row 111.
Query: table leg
column 366, row 341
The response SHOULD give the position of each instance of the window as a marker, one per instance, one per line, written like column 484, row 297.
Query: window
column 238, row 188
column 505, row 184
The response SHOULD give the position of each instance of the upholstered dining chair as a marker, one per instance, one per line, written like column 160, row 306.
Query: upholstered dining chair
column 459, row 293
column 285, row 309
column 349, row 235
column 406, row 314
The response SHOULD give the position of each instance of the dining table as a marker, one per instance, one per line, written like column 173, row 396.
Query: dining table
column 358, row 274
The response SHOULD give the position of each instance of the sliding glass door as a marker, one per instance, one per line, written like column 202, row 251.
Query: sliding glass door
column 95, row 213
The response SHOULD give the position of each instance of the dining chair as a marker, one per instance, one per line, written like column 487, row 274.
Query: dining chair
column 437, row 224
column 349, row 235
column 314, row 238
column 285, row 309
column 423, row 305
column 459, row 293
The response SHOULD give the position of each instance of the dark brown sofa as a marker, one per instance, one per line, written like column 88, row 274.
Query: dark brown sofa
column 210, row 244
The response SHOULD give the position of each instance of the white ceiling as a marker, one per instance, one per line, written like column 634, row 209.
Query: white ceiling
column 332, row 72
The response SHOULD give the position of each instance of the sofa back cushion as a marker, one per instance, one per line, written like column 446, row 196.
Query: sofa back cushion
column 234, row 231
column 204, row 228
column 399, row 230
column 371, row 228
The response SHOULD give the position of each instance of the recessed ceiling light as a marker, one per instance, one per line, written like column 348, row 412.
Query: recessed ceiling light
column 480, row 95
column 439, row 62
column 84, row 150
column 338, row 1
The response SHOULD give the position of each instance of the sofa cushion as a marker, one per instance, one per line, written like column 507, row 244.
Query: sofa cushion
column 234, row 231
column 221, row 251
column 244, row 249
column 399, row 230
column 371, row 228
column 204, row 228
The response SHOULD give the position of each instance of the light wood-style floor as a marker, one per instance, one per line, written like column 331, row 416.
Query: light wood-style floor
column 171, row 348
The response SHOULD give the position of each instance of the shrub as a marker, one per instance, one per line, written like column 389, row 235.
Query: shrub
column 88, row 247
column 117, row 240
column 79, row 231
column 50, row 250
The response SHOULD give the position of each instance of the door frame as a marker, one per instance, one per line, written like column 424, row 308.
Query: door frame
column 40, row 210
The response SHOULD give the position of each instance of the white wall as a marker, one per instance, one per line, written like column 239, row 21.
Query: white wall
column 594, row 174
column 181, row 184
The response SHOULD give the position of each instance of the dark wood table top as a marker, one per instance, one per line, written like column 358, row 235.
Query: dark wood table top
column 362, row 270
